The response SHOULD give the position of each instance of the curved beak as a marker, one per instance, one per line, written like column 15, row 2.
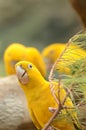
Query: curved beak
column 22, row 75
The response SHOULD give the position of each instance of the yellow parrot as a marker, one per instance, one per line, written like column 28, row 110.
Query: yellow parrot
column 71, row 55
column 40, row 98
column 18, row 52
column 14, row 52
column 34, row 56
column 51, row 53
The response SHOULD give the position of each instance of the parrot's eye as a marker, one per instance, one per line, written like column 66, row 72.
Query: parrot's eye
column 30, row 66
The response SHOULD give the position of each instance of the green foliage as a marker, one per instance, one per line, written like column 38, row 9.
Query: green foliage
column 75, row 82
column 79, row 67
column 79, row 39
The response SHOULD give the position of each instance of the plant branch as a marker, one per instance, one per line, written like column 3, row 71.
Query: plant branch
column 57, row 61
column 60, row 104
column 60, row 107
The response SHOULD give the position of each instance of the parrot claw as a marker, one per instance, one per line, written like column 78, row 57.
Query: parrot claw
column 50, row 128
column 51, row 109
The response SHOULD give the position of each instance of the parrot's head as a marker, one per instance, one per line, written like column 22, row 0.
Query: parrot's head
column 27, row 73
column 14, row 53
column 51, row 53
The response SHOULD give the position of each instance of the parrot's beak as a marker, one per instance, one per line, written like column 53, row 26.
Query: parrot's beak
column 22, row 75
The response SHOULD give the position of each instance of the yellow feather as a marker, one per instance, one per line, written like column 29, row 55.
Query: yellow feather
column 72, row 54
column 40, row 98
column 34, row 56
column 17, row 52
column 13, row 53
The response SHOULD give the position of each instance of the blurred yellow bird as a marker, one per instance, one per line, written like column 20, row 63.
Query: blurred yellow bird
column 18, row 52
column 34, row 56
column 14, row 52
column 72, row 54
column 40, row 98
column 52, row 52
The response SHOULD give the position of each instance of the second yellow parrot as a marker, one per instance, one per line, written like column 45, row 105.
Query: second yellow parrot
column 16, row 52
column 71, row 55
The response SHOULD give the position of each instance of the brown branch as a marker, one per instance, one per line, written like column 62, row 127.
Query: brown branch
column 60, row 104
column 53, row 93
column 80, row 104
column 60, row 107
column 57, row 61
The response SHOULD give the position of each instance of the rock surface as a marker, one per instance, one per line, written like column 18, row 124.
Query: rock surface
column 14, row 113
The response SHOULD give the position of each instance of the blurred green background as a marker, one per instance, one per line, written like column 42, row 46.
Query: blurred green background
column 36, row 23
